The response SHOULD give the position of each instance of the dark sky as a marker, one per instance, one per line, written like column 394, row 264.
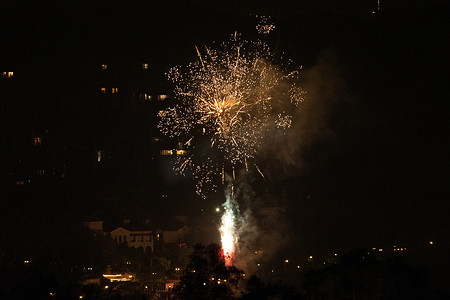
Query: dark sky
column 367, row 160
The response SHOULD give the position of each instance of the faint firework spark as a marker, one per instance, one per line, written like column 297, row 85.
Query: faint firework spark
column 227, row 101
column 264, row 26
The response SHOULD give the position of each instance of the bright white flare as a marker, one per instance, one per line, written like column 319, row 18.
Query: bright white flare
column 227, row 232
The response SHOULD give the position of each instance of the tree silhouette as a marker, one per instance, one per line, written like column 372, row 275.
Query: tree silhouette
column 360, row 275
column 207, row 277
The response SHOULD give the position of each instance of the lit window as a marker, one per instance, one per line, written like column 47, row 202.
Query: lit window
column 144, row 66
column 8, row 74
column 37, row 141
column 181, row 152
column 162, row 97
column 145, row 96
column 104, row 66
column 99, row 155
column 103, row 90
column 166, row 152
column 114, row 90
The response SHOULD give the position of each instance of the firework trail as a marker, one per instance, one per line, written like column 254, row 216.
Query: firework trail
column 227, row 102
column 227, row 230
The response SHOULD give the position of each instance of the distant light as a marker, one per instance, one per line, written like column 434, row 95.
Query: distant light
column 8, row 74
column 380, row 250
column 81, row 297
column 217, row 209
column 204, row 283
column 52, row 294
column 26, row 262
column 181, row 152
column 144, row 66
column 311, row 257
column 104, row 66
column 166, row 152
column 298, row 267
column 431, row 243
column 286, row 261
column 37, row 141
column 259, row 265
column 162, row 97
column 106, row 286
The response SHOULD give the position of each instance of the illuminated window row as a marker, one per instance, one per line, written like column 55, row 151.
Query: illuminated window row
column 172, row 152
column 144, row 66
column 8, row 74
column 148, row 97
column 113, row 90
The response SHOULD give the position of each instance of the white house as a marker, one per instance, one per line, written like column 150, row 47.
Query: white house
column 141, row 239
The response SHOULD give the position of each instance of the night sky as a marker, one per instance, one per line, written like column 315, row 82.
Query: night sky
column 365, row 163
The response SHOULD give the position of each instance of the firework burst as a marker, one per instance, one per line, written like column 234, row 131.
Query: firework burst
column 227, row 100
